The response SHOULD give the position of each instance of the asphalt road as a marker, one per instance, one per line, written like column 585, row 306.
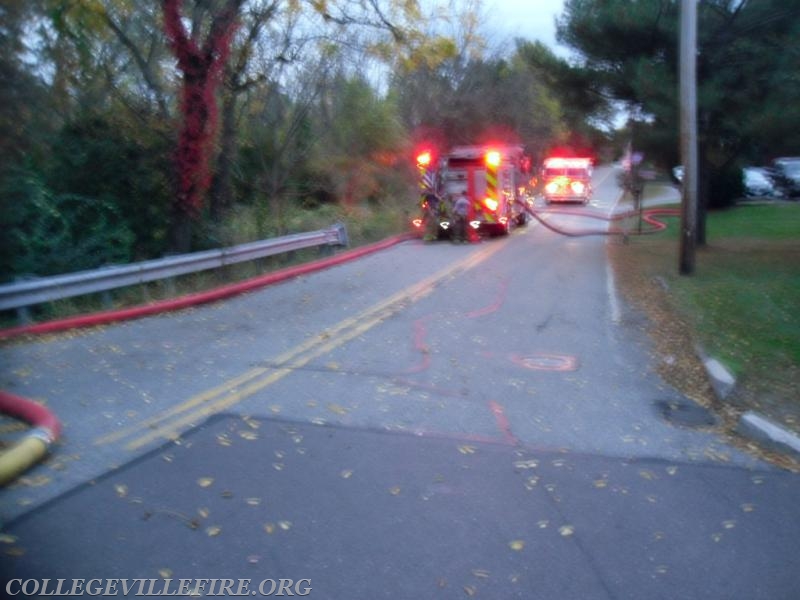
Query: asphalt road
column 434, row 420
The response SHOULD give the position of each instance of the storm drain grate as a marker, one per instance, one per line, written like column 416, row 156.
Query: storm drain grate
column 685, row 413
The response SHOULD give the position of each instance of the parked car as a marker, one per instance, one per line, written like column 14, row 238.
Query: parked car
column 787, row 172
column 759, row 183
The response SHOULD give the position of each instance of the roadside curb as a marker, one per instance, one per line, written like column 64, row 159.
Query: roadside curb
column 751, row 424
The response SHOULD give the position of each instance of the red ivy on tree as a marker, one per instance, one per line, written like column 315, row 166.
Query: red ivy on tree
column 201, row 68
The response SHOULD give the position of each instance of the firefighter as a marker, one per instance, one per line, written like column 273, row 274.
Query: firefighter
column 472, row 233
column 432, row 208
column 460, row 216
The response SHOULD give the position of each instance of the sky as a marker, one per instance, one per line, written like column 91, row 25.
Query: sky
column 530, row 19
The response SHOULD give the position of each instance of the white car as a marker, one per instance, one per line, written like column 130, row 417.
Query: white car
column 758, row 183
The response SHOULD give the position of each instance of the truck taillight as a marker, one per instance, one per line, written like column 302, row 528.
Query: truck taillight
column 490, row 203
column 424, row 159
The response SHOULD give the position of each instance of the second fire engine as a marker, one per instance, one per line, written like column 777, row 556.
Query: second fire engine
column 567, row 180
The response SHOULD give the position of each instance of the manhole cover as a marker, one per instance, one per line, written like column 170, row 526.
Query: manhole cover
column 547, row 362
column 685, row 413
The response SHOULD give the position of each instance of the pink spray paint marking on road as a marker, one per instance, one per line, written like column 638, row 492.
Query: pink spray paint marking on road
column 503, row 423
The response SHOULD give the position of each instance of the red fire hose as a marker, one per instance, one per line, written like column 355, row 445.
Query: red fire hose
column 35, row 445
column 649, row 216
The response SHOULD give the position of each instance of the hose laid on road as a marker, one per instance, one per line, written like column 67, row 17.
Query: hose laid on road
column 221, row 293
column 649, row 216
column 36, row 443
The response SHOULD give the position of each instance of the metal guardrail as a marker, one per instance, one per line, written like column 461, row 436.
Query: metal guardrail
column 46, row 289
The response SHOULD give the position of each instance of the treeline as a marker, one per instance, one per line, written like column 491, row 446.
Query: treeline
column 132, row 129
column 313, row 106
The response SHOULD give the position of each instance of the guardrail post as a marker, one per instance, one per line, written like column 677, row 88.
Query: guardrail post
column 341, row 231
column 24, row 316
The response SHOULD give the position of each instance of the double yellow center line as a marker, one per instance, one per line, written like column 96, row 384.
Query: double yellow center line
column 170, row 423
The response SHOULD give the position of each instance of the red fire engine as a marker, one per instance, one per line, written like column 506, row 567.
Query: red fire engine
column 567, row 180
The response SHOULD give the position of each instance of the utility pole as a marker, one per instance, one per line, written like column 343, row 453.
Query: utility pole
column 688, row 98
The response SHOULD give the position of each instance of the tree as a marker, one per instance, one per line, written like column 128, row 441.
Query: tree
column 201, row 64
column 358, row 130
column 747, row 64
column 23, row 116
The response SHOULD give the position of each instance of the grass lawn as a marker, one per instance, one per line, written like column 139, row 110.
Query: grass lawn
column 742, row 305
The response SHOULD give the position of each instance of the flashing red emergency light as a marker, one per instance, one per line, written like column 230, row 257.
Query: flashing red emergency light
column 424, row 159
column 558, row 162
column 493, row 158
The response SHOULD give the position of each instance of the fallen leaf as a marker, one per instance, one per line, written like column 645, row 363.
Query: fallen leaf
column 394, row 491
column 285, row 525
column 466, row 449
column 253, row 501
column 482, row 573
column 248, row 435
column 213, row 531
column 6, row 538
column 121, row 489
column 203, row 512
column 165, row 573
column 204, row 482
column 516, row 545
column 269, row 528
column 337, row 409
column 346, row 473
column 566, row 530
